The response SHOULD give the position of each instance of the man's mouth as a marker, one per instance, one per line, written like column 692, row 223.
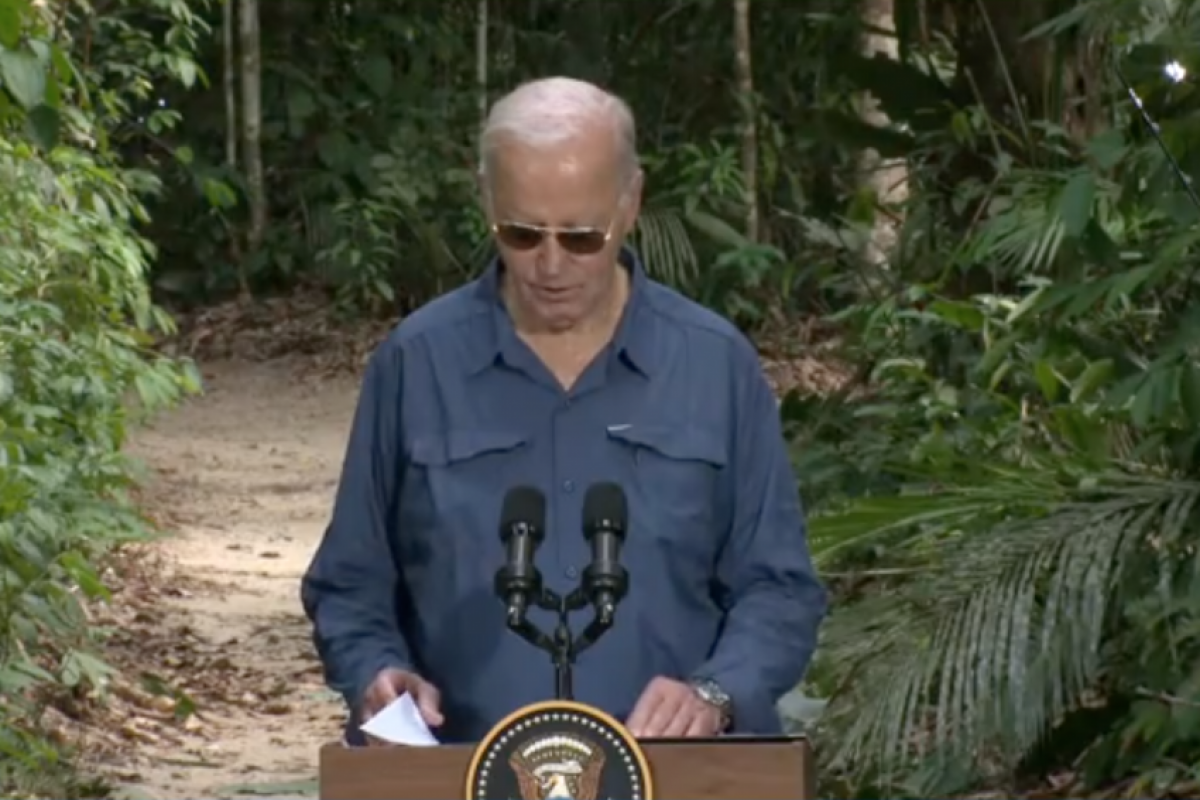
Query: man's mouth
column 554, row 291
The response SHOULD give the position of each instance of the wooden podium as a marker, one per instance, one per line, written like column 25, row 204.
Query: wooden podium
column 763, row 768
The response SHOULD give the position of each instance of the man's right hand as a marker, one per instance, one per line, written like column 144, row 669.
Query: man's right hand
column 392, row 683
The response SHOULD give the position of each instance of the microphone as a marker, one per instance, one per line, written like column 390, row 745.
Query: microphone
column 605, row 518
column 522, row 529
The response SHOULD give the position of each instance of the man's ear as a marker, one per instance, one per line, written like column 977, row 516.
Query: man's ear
column 633, row 200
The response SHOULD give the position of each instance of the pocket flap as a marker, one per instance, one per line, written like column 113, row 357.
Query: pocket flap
column 440, row 449
column 680, row 442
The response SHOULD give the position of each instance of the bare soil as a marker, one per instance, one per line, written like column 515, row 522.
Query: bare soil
column 244, row 476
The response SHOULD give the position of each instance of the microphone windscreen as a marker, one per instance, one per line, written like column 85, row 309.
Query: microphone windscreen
column 524, row 505
column 604, row 506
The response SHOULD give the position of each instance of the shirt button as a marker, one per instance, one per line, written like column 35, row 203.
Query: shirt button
column 568, row 486
column 572, row 573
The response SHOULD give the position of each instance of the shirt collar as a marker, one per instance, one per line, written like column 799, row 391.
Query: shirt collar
column 632, row 341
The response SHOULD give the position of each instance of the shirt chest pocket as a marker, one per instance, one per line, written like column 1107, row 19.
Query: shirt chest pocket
column 457, row 479
column 677, row 472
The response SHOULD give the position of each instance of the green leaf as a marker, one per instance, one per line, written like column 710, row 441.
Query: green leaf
column 304, row 788
column 1091, row 378
column 10, row 23
column 84, row 575
column 83, row 668
column 23, row 76
column 44, row 126
column 1046, row 379
column 1107, row 148
column 1189, row 392
column 134, row 792
column 376, row 72
column 300, row 106
column 717, row 229
column 1075, row 202
column 1145, row 402
column 21, row 675
column 1031, row 301
column 1126, row 389
column 187, row 71
column 335, row 150
column 995, row 354
column 963, row 315
column 219, row 194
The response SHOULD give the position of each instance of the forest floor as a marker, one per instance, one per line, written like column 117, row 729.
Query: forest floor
column 220, row 694
column 210, row 620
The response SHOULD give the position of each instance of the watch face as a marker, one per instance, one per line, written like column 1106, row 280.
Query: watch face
column 712, row 693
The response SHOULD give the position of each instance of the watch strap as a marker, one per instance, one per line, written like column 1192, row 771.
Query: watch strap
column 711, row 692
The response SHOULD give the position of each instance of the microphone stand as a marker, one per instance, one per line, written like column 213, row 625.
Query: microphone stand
column 562, row 647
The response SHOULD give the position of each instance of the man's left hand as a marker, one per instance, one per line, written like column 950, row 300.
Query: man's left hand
column 672, row 708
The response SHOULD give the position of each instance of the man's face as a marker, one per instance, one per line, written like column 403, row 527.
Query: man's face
column 578, row 190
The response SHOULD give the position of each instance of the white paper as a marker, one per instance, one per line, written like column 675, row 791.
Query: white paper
column 400, row 722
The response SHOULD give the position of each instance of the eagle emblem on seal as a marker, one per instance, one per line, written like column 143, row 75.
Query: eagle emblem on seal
column 558, row 766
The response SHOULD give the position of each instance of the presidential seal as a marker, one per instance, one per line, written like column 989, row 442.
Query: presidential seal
column 559, row 749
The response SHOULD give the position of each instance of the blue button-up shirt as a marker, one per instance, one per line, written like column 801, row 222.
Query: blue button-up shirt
column 456, row 410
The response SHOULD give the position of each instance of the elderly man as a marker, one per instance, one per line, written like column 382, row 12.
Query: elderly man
column 562, row 366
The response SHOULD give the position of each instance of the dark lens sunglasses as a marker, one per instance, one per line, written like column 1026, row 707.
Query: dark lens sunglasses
column 577, row 241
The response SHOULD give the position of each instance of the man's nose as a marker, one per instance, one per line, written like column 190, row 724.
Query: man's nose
column 551, row 256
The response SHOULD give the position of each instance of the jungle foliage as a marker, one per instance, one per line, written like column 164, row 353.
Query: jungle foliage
column 1003, row 496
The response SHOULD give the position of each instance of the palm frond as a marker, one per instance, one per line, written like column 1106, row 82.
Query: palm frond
column 662, row 238
column 1002, row 633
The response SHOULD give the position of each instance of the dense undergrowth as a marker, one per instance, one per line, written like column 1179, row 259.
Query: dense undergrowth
column 1007, row 501
column 1003, row 499
column 76, row 367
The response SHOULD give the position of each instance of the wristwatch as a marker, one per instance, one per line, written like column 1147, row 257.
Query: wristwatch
column 711, row 692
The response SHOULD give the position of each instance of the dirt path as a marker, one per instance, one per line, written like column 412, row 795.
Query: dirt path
column 246, row 476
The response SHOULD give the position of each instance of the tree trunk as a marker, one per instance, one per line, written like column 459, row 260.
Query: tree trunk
column 251, row 69
column 229, row 74
column 745, row 85
column 886, row 179
column 229, row 78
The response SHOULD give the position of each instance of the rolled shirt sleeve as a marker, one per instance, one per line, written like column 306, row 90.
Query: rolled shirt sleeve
column 350, row 589
column 775, row 601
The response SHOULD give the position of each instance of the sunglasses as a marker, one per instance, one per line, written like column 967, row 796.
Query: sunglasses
column 577, row 241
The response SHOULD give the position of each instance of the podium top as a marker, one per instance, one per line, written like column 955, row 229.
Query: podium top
column 568, row 749
column 729, row 739
column 722, row 768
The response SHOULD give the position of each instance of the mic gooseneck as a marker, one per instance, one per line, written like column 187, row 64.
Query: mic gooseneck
column 522, row 530
column 605, row 521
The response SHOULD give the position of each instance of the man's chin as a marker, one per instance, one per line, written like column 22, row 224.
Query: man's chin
column 557, row 317
column 560, row 322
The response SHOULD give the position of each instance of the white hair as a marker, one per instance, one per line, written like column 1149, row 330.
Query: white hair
column 551, row 111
